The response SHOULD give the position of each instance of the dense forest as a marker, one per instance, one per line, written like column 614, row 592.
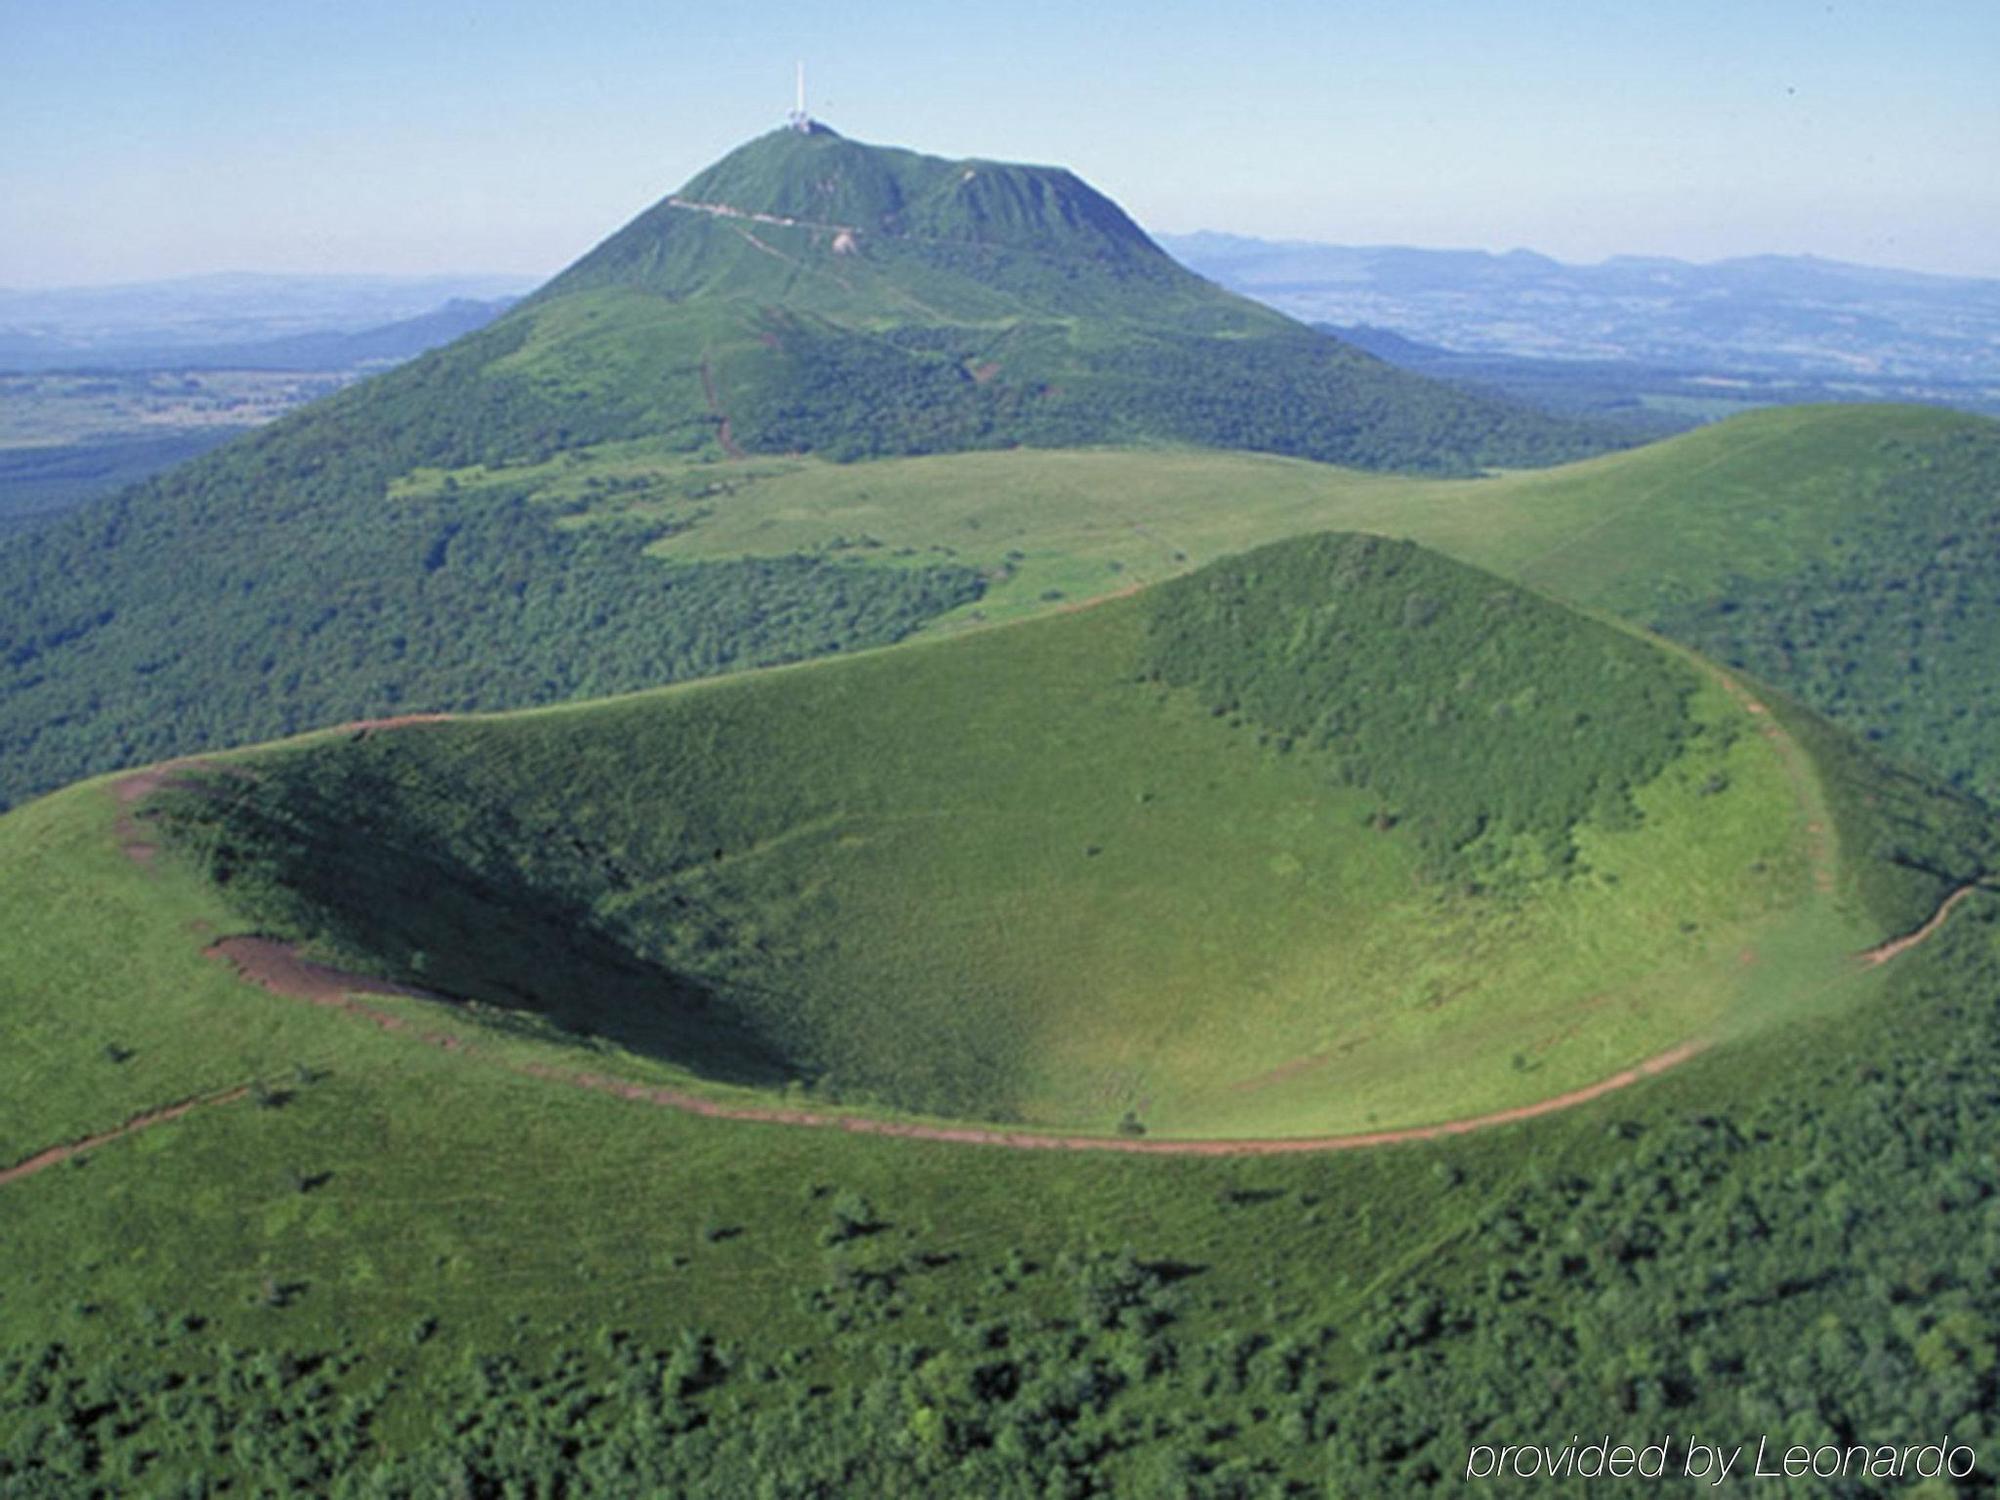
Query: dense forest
column 1452, row 695
column 1888, row 634
column 273, row 587
column 922, row 389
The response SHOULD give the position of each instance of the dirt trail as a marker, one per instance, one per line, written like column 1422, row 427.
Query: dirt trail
column 41, row 1161
column 1819, row 845
column 1881, row 953
column 275, row 967
column 1077, row 606
column 724, row 211
column 365, row 727
column 129, row 791
column 1024, row 1140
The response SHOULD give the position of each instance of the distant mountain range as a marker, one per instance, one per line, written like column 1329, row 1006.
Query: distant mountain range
column 251, row 319
column 318, row 349
column 1791, row 317
column 1766, row 314
column 1654, row 398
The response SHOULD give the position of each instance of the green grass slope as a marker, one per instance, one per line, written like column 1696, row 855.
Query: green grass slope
column 1457, row 850
column 400, row 1268
column 1843, row 553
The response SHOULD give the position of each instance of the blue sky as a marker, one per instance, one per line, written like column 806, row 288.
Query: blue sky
column 144, row 138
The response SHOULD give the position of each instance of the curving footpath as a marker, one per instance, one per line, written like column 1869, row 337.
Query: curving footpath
column 1881, row 953
column 55, row 1156
column 275, row 967
column 1027, row 1140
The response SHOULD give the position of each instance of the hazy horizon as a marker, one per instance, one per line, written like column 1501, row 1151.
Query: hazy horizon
column 374, row 140
column 530, row 279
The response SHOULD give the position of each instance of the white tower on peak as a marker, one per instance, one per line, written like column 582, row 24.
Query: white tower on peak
column 798, row 119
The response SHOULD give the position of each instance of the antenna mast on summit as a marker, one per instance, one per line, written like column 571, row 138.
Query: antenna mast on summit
column 798, row 119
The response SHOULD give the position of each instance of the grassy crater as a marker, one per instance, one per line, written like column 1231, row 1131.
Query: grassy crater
column 1335, row 835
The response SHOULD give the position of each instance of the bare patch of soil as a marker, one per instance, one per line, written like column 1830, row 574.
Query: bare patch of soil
column 130, row 791
column 277, row 967
column 724, row 433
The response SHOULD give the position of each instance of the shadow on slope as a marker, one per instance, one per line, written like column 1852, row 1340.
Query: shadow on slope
column 340, row 865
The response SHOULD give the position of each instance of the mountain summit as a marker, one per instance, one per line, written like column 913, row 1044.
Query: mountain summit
column 812, row 222
column 812, row 293
column 861, row 201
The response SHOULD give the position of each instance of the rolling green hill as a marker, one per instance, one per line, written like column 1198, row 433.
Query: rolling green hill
column 1840, row 552
column 393, row 1246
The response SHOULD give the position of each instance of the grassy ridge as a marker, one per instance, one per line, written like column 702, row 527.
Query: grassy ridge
column 1646, row 533
column 933, row 879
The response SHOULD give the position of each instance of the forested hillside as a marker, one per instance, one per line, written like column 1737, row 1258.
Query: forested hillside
column 250, row 595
